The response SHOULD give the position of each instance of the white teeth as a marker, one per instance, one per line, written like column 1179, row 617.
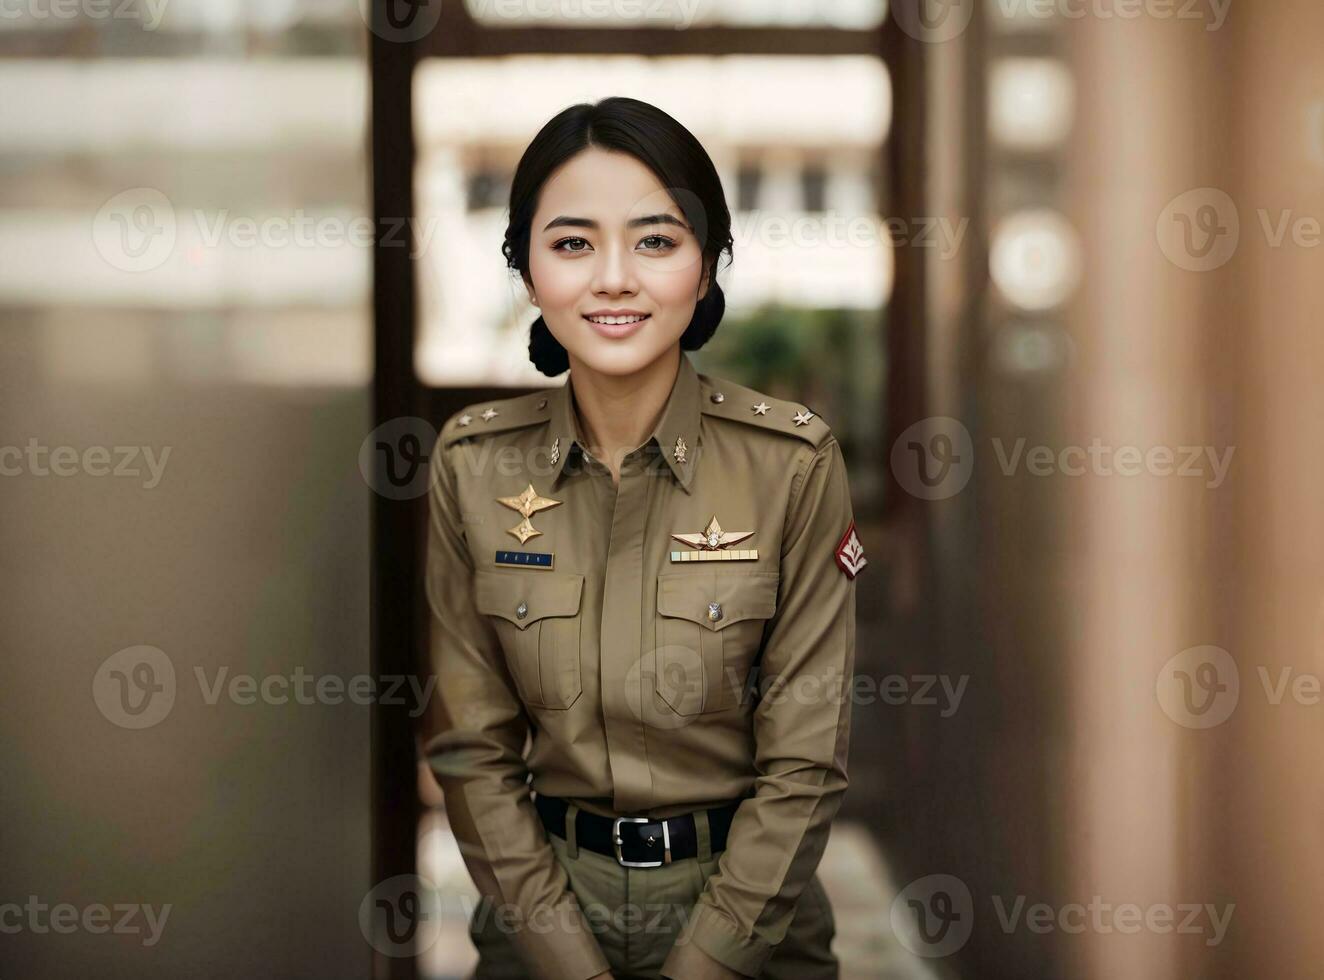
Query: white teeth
column 615, row 319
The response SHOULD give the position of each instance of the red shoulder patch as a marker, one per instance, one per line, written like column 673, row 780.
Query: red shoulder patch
column 850, row 553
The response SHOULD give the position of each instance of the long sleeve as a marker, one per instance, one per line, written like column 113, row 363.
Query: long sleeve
column 473, row 732
column 801, row 727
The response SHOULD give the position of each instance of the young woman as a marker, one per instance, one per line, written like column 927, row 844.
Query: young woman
column 642, row 589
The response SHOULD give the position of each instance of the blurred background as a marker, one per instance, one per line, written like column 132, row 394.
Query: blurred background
column 1051, row 269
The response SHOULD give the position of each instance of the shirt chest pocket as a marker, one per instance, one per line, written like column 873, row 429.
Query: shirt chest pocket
column 536, row 617
column 709, row 627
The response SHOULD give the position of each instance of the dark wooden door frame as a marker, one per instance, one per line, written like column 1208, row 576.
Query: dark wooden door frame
column 395, row 556
column 398, row 607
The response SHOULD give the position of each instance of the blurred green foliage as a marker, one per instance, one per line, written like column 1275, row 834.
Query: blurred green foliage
column 829, row 360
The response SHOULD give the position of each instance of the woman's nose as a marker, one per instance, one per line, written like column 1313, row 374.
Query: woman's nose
column 614, row 272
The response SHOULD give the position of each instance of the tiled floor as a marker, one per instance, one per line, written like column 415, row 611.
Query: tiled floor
column 857, row 881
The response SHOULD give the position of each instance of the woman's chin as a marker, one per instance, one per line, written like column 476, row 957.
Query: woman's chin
column 619, row 357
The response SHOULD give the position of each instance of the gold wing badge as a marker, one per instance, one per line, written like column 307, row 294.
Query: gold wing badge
column 711, row 544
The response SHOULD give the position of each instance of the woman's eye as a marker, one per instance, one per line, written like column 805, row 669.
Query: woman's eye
column 562, row 245
column 652, row 243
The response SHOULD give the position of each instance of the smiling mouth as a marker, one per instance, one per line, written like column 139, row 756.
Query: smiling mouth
column 613, row 321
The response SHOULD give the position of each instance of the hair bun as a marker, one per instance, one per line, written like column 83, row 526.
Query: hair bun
column 707, row 315
column 545, row 351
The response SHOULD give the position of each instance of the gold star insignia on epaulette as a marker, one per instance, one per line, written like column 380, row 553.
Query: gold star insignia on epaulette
column 527, row 503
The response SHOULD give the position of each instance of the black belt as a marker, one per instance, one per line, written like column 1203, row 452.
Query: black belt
column 637, row 842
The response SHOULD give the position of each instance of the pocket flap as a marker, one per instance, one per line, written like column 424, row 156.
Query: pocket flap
column 741, row 595
column 542, row 593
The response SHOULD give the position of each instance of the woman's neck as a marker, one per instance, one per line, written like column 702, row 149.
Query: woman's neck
column 618, row 412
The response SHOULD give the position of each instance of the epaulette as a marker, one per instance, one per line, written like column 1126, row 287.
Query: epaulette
column 500, row 415
column 728, row 400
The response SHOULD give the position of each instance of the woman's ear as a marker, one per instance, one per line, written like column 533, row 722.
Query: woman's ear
column 528, row 288
column 705, row 282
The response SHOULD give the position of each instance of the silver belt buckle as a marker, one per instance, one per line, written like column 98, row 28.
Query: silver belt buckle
column 616, row 839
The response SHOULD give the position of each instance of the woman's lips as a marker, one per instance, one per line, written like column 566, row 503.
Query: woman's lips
column 616, row 331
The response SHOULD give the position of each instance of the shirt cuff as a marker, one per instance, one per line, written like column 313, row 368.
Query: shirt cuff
column 711, row 946
column 563, row 954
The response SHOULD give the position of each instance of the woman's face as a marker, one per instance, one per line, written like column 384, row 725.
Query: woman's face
column 608, row 239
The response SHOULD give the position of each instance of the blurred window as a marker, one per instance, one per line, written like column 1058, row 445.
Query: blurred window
column 187, row 198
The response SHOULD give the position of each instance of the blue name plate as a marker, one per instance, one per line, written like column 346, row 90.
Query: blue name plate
column 525, row 559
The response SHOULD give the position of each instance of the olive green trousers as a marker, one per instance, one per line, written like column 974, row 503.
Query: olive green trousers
column 636, row 914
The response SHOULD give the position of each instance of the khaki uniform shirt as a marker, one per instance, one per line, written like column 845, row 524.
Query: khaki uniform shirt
column 618, row 670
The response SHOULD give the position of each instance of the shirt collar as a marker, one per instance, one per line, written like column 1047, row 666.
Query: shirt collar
column 676, row 435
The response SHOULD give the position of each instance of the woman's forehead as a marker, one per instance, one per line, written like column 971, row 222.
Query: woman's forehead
column 607, row 187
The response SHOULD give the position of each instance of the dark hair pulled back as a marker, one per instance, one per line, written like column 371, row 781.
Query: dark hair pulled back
column 660, row 143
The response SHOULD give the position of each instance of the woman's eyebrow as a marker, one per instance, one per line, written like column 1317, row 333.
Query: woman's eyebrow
column 648, row 219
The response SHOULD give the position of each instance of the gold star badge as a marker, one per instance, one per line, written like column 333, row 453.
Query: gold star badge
column 712, row 544
column 527, row 503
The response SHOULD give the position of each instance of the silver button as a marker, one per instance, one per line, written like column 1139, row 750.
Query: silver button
column 522, row 610
column 718, row 397
column 714, row 611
